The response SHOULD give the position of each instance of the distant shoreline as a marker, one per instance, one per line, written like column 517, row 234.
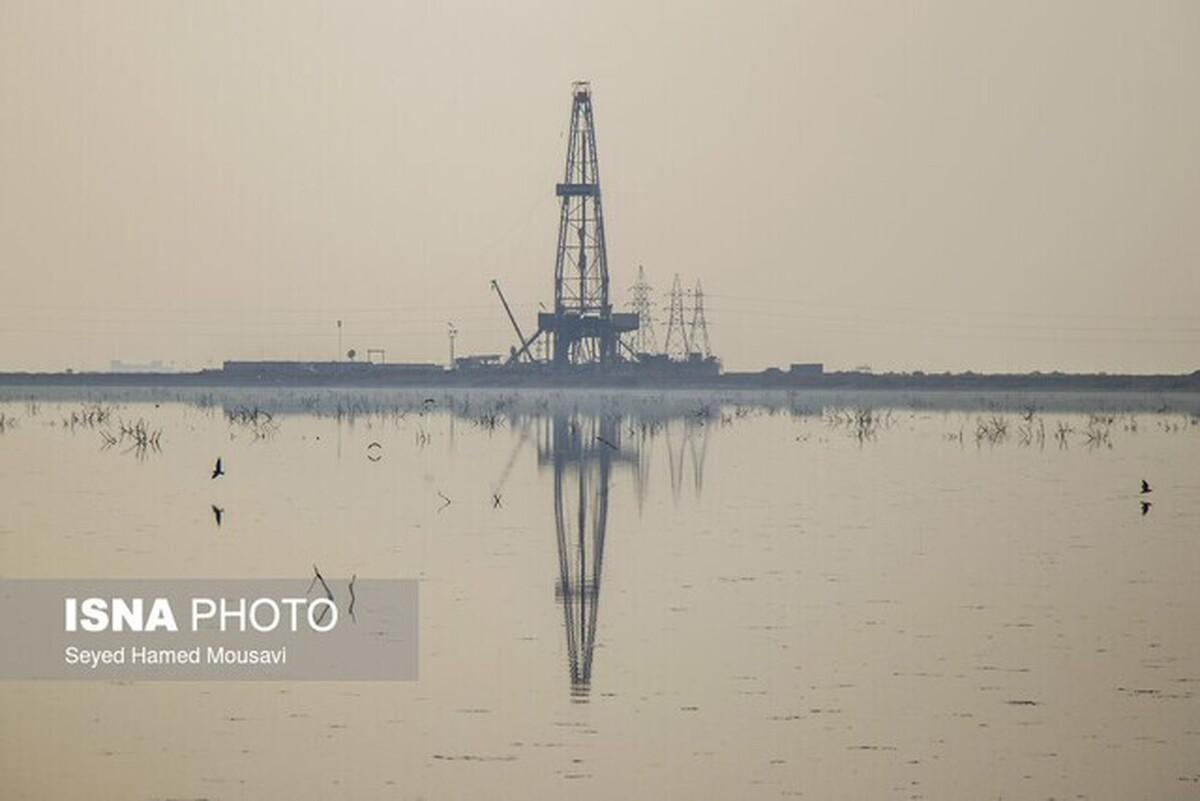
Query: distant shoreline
column 524, row 379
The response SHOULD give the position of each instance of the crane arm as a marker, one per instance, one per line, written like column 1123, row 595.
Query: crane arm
column 511, row 318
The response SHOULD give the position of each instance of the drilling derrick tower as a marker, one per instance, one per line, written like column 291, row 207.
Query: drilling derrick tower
column 583, row 328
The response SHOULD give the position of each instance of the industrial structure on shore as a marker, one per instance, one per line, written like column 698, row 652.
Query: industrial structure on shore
column 584, row 330
column 584, row 337
column 584, row 340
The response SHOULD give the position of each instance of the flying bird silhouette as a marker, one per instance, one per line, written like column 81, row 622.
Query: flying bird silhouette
column 217, row 512
column 1146, row 507
column 218, row 471
column 1146, row 487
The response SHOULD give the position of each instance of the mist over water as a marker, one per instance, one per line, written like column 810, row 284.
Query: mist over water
column 821, row 595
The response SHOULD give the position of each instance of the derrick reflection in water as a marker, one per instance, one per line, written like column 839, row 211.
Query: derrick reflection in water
column 583, row 450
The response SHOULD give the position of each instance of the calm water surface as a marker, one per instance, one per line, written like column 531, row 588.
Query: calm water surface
column 638, row 596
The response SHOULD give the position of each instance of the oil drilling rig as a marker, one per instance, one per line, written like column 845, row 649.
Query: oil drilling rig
column 582, row 329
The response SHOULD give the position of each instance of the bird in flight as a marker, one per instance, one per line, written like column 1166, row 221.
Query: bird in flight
column 217, row 512
column 1146, row 507
column 218, row 471
column 1146, row 487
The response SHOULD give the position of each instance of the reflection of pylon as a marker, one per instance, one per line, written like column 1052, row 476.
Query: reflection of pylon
column 640, row 303
column 698, row 458
column 691, row 430
column 698, row 335
column 676, row 344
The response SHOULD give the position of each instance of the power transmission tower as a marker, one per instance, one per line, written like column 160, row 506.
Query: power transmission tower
column 698, row 334
column 641, row 304
column 676, row 344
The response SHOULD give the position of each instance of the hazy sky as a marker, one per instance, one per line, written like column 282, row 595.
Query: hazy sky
column 956, row 185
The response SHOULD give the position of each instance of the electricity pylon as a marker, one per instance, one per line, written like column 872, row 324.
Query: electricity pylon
column 676, row 344
column 641, row 303
column 698, row 333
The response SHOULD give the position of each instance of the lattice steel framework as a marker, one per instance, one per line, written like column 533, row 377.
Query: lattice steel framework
column 583, row 326
column 581, row 266
column 698, row 333
column 641, row 303
column 676, row 345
